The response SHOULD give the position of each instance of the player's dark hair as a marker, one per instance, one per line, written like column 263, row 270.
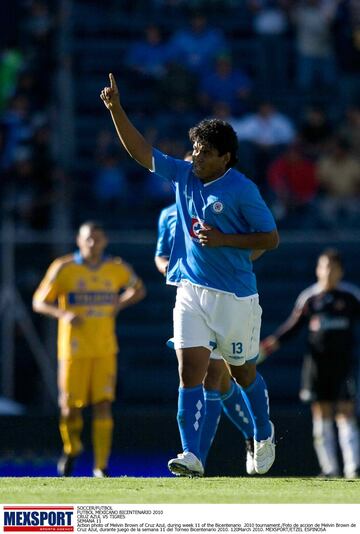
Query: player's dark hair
column 333, row 256
column 218, row 134
column 93, row 225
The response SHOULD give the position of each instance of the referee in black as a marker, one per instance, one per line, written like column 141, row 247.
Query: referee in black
column 329, row 309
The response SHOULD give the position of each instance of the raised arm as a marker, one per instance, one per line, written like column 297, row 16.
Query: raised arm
column 131, row 139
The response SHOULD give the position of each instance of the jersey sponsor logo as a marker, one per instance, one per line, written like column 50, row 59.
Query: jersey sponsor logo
column 217, row 206
column 38, row 518
column 328, row 323
column 196, row 226
column 91, row 298
column 335, row 323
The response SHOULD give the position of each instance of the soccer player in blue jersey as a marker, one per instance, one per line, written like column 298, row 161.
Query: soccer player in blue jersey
column 221, row 218
column 220, row 392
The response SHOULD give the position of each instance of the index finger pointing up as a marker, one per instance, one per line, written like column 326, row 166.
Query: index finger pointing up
column 112, row 82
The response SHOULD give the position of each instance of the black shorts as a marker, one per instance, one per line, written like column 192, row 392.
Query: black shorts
column 327, row 379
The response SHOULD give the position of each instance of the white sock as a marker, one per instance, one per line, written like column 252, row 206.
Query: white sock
column 349, row 445
column 325, row 445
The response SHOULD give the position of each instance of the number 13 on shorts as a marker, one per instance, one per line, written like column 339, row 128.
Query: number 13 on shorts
column 237, row 347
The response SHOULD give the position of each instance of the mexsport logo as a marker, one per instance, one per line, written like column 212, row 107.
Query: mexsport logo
column 38, row 519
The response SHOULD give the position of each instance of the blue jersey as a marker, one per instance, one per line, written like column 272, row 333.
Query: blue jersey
column 166, row 231
column 233, row 205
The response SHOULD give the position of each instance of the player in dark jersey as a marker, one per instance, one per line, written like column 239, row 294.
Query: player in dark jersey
column 329, row 309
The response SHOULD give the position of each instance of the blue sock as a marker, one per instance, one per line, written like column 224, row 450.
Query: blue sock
column 258, row 402
column 235, row 407
column 211, row 421
column 190, row 417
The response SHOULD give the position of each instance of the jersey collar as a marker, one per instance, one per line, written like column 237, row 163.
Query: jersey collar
column 79, row 260
column 217, row 179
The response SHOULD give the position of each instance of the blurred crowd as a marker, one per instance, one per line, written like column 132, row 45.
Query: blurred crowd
column 286, row 75
column 304, row 155
column 26, row 67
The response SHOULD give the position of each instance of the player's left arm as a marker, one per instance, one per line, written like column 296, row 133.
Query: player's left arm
column 131, row 295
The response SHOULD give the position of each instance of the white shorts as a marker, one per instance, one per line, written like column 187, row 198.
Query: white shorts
column 208, row 318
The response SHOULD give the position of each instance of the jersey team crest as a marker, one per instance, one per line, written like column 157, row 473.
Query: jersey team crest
column 217, row 207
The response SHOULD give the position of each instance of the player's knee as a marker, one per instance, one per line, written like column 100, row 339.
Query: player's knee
column 69, row 413
column 245, row 374
column 212, row 383
column 64, row 412
column 322, row 429
column 190, row 374
column 345, row 411
column 214, row 375
column 102, row 409
column 225, row 383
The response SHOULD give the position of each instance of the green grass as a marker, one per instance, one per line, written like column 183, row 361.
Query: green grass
column 170, row 490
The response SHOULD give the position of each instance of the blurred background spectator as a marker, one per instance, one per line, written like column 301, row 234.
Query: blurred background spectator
column 271, row 26
column 315, row 131
column 292, row 181
column 346, row 30
column 110, row 187
column 316, row 65
column 149, row 57
column 262, row 136
column 224, row 83
column 338, row 173
column 349, row 129
column 196, row 47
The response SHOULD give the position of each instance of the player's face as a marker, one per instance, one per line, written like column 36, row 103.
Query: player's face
column 91, row 243
column 328, row 272
column 207, row 164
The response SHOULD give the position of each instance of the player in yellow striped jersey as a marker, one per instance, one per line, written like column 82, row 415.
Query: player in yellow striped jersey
column 85, row 291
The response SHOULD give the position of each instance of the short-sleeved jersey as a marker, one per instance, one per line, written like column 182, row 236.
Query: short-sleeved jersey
column 92, row 294
column 330, row 317
column 232, row 204
column 166, row 231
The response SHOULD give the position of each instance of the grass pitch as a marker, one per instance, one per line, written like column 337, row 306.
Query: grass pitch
column 178, row 490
